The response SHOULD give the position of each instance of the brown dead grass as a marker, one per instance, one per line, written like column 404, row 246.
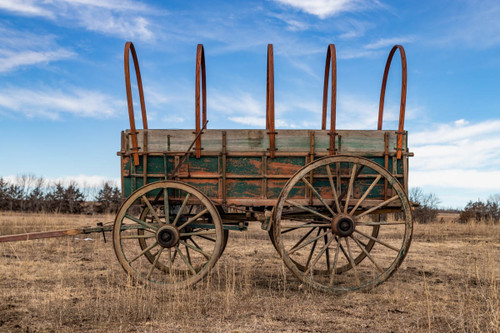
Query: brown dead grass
column 448, row 283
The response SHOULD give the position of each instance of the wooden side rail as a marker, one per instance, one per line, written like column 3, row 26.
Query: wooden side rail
column 129, row 48
column 400, row 131
column 331, row 57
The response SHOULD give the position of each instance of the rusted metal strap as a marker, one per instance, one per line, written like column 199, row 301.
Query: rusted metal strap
column 331, row 57
column 270, row 101
column 129, row 48
column 400, row 131
column 200, row 71
column 177, row 167
column 181, row 161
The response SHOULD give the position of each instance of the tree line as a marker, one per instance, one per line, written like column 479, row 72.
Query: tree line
column 427, row 208
column 32, row 194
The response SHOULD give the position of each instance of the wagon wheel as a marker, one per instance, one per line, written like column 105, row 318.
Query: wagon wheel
column 184, row 237
column 144, row 243
column 325, row 236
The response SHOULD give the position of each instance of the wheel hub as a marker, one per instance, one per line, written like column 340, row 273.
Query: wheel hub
column 343, row 225
column 167, row 236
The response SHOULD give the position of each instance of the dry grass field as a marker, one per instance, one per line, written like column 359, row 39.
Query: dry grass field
column 449, row 282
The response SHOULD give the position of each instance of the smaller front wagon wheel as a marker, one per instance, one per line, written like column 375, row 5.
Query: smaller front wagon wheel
column 182, row 229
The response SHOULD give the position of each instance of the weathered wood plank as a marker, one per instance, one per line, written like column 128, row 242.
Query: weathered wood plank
column 257, row 140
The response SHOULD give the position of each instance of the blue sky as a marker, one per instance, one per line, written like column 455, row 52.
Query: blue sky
column 62, row 95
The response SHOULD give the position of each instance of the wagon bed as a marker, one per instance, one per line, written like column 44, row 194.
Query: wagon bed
column 235, row 167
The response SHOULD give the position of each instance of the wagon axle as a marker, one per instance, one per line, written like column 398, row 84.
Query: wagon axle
column 167, row 236
column 343, row 225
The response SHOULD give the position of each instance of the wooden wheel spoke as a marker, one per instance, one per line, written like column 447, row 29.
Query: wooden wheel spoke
column 143, row 251
column 327, row 254
column 179, row 213
column 151, row 209
column 141, row 222
column 362, row 243
column 306, row 225
column 303, row 238
column 330, row 178
column 188, row 255
column 312, row 249
column 170, row 260
column 321, row 251
column 294, row 249
column 315, row 192
column 350, row 188
column 195, row 248
column 173, row 258
column 204, row 237
column 195, row 244
column 290, row 202
column 377, row 240
column 194, row 218
column 367, row 254
column 198, row 233
column 166, row 207
column 157, row 256
column 367, row 192
column 335, row 258
column 351, row 261
column 382, row 204
column 183, row 257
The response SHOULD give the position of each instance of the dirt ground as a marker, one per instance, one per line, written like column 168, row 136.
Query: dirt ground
column 449, row 282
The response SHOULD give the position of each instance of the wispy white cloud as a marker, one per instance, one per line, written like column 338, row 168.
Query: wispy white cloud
column 52, row 103
column 352, row 28
column 257, row 122
column 350, row 53
column 238, row 107
column 473, row 180
column 293, row 23
column 388, row 42
column 237, row 104
column 12, row 60
column 374, row 49
column 476, row 25
column 243, row 108
column 459, row 155
column 25, row 7
column 122, row 18
column 22, row 48
column 326, row 8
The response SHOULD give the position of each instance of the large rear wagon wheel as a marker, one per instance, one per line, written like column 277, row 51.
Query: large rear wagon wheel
column 184, row 236
column 333, row 238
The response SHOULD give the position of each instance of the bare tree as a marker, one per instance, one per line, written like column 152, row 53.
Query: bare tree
column 427, row 208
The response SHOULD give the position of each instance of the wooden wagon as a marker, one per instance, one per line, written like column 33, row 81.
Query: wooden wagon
column 334, row 202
